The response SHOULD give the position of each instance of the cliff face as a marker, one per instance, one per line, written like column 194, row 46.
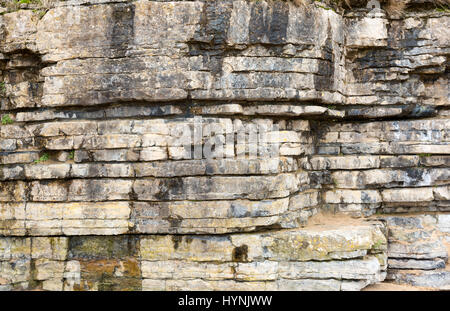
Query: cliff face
column 292, row 111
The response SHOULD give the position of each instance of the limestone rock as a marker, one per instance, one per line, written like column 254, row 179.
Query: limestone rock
column 189, row 145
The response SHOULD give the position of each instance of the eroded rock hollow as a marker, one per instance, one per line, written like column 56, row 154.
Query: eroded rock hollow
column 319, row 159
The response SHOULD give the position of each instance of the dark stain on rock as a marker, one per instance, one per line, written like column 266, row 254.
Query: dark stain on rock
column 238, row 211
column 318, row 178
column 94, row 190
column 103, row 247
column 23, row 66
column 133, row 195
column 416, row 176
column 240, row 254
column 119, row 86
column 265, row 228
column 174, row 221
column 422, row 111
column 210, row 40
column 365, row 198
column 411, row 38
column 210, row 169
column 168, row 187
column 121, row 31
column 371, row 65
column 35, row 90
column 373, row 58
column 268, row 23
column 176, row 240
column 324, row 79
column 306, row 27
column 406, row 222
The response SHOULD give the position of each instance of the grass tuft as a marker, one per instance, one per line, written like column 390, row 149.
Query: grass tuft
column 43, row 158
column 6, row 119
column 72, row 155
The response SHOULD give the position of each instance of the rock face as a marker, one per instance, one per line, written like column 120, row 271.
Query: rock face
column 153, row 145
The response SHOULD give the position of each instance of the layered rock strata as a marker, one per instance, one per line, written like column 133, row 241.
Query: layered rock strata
column 293, row 111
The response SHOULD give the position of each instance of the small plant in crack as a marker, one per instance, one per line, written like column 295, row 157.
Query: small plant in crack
column 72, row 155
column 37, row 2
column 15, row 5
column 42, row 158
column 6, row 119
column 40, row 13
column 442, row 6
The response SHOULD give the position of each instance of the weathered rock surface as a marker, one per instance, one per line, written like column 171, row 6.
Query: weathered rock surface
column 417, row 251
column 343, row 259
column 185, row 145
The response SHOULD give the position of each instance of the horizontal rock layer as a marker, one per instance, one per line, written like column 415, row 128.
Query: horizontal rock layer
column 319, row 258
